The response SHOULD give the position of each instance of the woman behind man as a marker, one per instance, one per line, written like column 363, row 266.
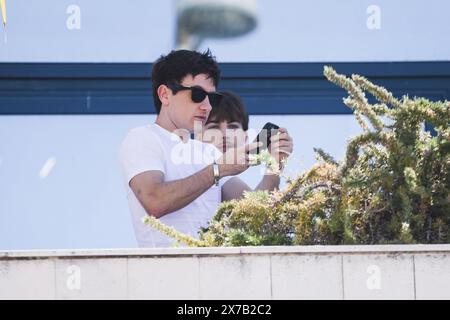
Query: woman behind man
column 227, row 128
column 227, row 123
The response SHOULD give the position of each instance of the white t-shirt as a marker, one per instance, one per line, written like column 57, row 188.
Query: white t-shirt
column 152, row 147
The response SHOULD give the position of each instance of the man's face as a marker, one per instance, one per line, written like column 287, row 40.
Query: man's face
column 183, row 111
column 224, row 135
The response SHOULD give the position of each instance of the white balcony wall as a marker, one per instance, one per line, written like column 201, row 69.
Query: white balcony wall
column 299, row 272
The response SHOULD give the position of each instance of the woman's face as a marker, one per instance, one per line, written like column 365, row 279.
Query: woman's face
column 224, row 135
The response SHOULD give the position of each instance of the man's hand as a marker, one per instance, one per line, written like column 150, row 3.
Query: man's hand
column 281, row 145
column 236, row 160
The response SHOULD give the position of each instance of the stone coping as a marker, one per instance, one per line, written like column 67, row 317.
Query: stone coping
column 221, row 251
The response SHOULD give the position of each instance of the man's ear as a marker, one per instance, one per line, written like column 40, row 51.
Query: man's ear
column 163, row 94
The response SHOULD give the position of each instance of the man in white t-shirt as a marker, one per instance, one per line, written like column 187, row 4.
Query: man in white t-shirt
column 179, row 180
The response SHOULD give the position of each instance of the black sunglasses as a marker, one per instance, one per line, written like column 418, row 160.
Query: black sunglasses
column 198, row 94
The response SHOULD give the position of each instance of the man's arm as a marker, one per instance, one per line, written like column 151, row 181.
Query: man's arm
column 160, row 198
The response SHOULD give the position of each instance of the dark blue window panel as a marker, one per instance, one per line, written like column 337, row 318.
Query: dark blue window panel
column 266, row 88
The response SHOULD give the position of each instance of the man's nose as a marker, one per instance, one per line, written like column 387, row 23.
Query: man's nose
column 206, row 105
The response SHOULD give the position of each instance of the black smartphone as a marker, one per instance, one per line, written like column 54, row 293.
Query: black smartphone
column 265, row 134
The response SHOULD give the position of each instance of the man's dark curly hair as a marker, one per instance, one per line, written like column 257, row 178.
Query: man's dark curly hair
column 173, row 67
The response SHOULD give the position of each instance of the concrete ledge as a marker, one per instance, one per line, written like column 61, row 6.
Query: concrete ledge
column 5, row 254
column 298, row 272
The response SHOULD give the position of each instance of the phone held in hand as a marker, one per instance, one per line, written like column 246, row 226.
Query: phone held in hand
column 264, row 135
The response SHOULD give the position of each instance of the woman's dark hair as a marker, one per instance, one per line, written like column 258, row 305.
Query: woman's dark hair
column 173, row 67
column 231, row 109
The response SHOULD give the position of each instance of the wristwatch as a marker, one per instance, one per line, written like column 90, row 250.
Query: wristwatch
column 216, row 173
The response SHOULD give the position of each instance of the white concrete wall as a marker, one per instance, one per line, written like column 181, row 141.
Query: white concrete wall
column 316, row 272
